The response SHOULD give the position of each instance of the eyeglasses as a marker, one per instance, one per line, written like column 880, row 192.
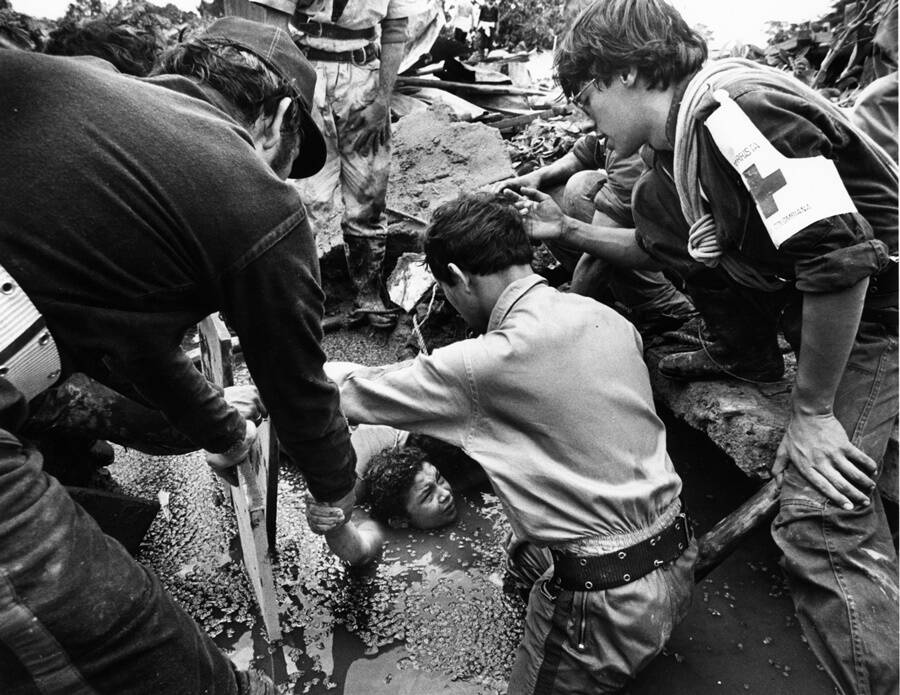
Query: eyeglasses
column 576, row 98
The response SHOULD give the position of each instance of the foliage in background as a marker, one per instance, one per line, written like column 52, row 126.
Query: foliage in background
column 533, row 23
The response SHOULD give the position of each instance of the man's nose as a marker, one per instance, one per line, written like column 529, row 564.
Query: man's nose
column 443, row 494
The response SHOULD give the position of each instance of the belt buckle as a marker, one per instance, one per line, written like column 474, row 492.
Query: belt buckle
column 362, row 60
column 309, row 23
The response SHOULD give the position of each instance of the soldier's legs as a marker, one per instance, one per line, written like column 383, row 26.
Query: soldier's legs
column 320, row 193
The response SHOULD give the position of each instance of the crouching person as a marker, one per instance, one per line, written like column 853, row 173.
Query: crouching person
column 553, row 401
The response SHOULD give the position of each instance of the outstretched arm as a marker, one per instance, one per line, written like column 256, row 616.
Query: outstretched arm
column 545, row 221
column 356, row 544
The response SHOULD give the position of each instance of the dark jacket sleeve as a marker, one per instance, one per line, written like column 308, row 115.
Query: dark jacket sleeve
column 168, row 380
column 275, row 303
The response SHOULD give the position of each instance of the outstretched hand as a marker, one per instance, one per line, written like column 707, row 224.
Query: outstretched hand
column 818, row 446
column 543, row 217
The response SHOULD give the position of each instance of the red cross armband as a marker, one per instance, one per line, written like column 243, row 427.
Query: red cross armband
column 790, row 194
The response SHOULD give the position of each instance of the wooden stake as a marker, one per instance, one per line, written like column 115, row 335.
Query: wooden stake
column 252, row 496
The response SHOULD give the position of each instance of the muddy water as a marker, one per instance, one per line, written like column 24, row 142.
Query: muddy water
column 430, row 616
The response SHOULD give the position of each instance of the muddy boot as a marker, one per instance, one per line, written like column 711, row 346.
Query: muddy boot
column 717, row 361
column 365, row 258
column 746, row 344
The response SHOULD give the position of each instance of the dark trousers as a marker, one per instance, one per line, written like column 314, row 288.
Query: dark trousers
column 841, row 566
column 78, row 615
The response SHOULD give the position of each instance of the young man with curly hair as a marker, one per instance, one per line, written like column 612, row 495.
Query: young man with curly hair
column 772, row 207
column 553, row 401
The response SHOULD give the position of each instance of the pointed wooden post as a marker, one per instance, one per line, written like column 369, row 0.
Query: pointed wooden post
column 252, row 497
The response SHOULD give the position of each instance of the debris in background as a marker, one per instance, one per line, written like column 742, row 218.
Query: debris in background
column 410, row 281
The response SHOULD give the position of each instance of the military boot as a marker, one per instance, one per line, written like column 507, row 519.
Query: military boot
column 365, row 259
column 745, row 345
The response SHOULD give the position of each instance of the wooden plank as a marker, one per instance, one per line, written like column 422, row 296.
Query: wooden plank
column 719, row 542
column 467, row 87
column 249, row 499
column 216, row 359
column 254, row 490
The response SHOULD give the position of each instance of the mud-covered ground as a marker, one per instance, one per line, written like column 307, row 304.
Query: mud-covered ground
column 431, row 616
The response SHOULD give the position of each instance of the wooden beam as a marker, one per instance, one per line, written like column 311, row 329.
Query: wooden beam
column 252, row 497
column 719, row 542
column 468, row 87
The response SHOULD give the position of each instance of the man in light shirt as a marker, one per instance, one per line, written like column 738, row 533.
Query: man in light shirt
column 553, row 400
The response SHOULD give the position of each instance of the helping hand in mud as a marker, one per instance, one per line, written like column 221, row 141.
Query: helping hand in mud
column 818, row 446
column 542, row 216
column 373, row 124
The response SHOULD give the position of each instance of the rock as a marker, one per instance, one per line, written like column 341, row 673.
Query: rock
column 746, row 421
column 435, row 160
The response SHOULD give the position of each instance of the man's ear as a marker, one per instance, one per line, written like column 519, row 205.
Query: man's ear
column 459, row 274
column 267, row 129
column 629, row 79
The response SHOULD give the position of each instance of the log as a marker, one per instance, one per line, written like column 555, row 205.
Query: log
column 465, row 87
column 718, row 543
column 256, row 491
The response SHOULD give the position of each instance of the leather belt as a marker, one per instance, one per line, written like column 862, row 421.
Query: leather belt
column 333, row 31
column 358, row 56
column 609, row 570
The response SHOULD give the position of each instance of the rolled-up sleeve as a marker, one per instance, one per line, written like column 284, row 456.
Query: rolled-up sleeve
column 843, row 267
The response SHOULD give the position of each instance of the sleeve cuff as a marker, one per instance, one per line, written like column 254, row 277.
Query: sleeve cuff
column 842, row 268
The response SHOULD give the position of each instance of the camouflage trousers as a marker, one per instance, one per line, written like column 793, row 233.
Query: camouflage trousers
column 359, row 181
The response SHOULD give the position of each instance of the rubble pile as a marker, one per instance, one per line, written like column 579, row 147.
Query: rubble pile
column 836, row 53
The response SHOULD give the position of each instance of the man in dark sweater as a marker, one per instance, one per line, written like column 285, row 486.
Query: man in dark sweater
column 131, row 209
